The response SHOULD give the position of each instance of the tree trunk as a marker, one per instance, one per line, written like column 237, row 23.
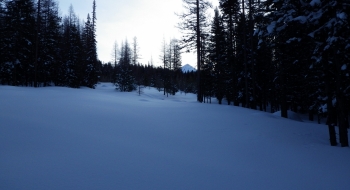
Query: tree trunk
column 284, row 107
column 332, row 115
column 232, row 56
column 252, row 62
column 343, row 122
column 37, row 45
column 331, row 112
column 283, row 93
column 198, row 33
column 311, row 114
column 245, row 57
column 341, row 103
column 331, row 122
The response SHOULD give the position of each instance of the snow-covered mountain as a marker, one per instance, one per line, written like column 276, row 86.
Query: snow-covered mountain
column 187, row 68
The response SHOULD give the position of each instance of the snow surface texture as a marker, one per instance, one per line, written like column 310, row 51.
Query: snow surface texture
column 61, row 138
column 188, row 68
column 291, row 115
column 315, row 2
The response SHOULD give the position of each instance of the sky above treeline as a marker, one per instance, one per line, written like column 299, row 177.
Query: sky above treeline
column 150, row 21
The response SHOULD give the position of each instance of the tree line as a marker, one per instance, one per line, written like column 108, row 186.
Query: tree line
column 148, row 75
column 40, row 48
column 128, row 74
column 277, row 54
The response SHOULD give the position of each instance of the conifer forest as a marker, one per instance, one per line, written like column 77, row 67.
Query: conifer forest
column 268, row 55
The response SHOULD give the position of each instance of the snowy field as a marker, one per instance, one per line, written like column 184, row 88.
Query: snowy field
column 61, row 138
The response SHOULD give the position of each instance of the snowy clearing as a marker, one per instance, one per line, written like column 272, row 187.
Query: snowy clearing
column 62, row 138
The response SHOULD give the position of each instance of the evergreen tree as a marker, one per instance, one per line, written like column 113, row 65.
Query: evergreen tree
column 264, row 59
column 2, row 12
column 288, row 31
column 38, row 50
column 3, row 73
column 175, row 63
column 72, row 52
column 18, row 42
column 115, row 58
column 93, row 72
column 171, row 59
column 115, row 53
column 125, row 80
column 218, row 57
column 48, row 33
column 251, row 54
column 231, row 15
column 331, row 30
column 89, row 66
column 164, row 57
column 206, row 69
column 38, row 21
column 135, row 51
column 107, row 72
column 193, row 22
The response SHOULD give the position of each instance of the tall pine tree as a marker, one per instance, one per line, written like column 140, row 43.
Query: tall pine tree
column 218, row 57
column 125, row 80
column 193, row 22
column 18, row 43
column 72, row 51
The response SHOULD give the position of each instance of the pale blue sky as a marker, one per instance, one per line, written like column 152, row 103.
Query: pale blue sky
column 149, row 20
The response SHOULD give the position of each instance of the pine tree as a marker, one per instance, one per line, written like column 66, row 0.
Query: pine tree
column 218, row 57
column 330, row 35
column 115, row 58
column 206, row 67
column 2, row 12
column 135, row 51
column 288, row 31
column 49, row 34
column 125, row 81
column 89, row 65
column 38, row 22
column 175, row 64
column 231, row 15
column 70, row 71
column 176, row 55
column 192, row 25
column 3, row 71
column 264, row 59
column 18, row 43
column 115, row 54
column 93, row 68
column 251, row 53
column 164, row 57
column 90, row 61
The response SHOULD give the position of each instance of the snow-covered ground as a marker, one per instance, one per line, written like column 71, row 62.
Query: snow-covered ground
column 61, row 138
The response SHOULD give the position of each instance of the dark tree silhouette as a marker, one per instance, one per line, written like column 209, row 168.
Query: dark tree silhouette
column 193, row 21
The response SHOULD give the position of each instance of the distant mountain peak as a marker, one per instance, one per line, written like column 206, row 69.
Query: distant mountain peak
column 188, row 68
